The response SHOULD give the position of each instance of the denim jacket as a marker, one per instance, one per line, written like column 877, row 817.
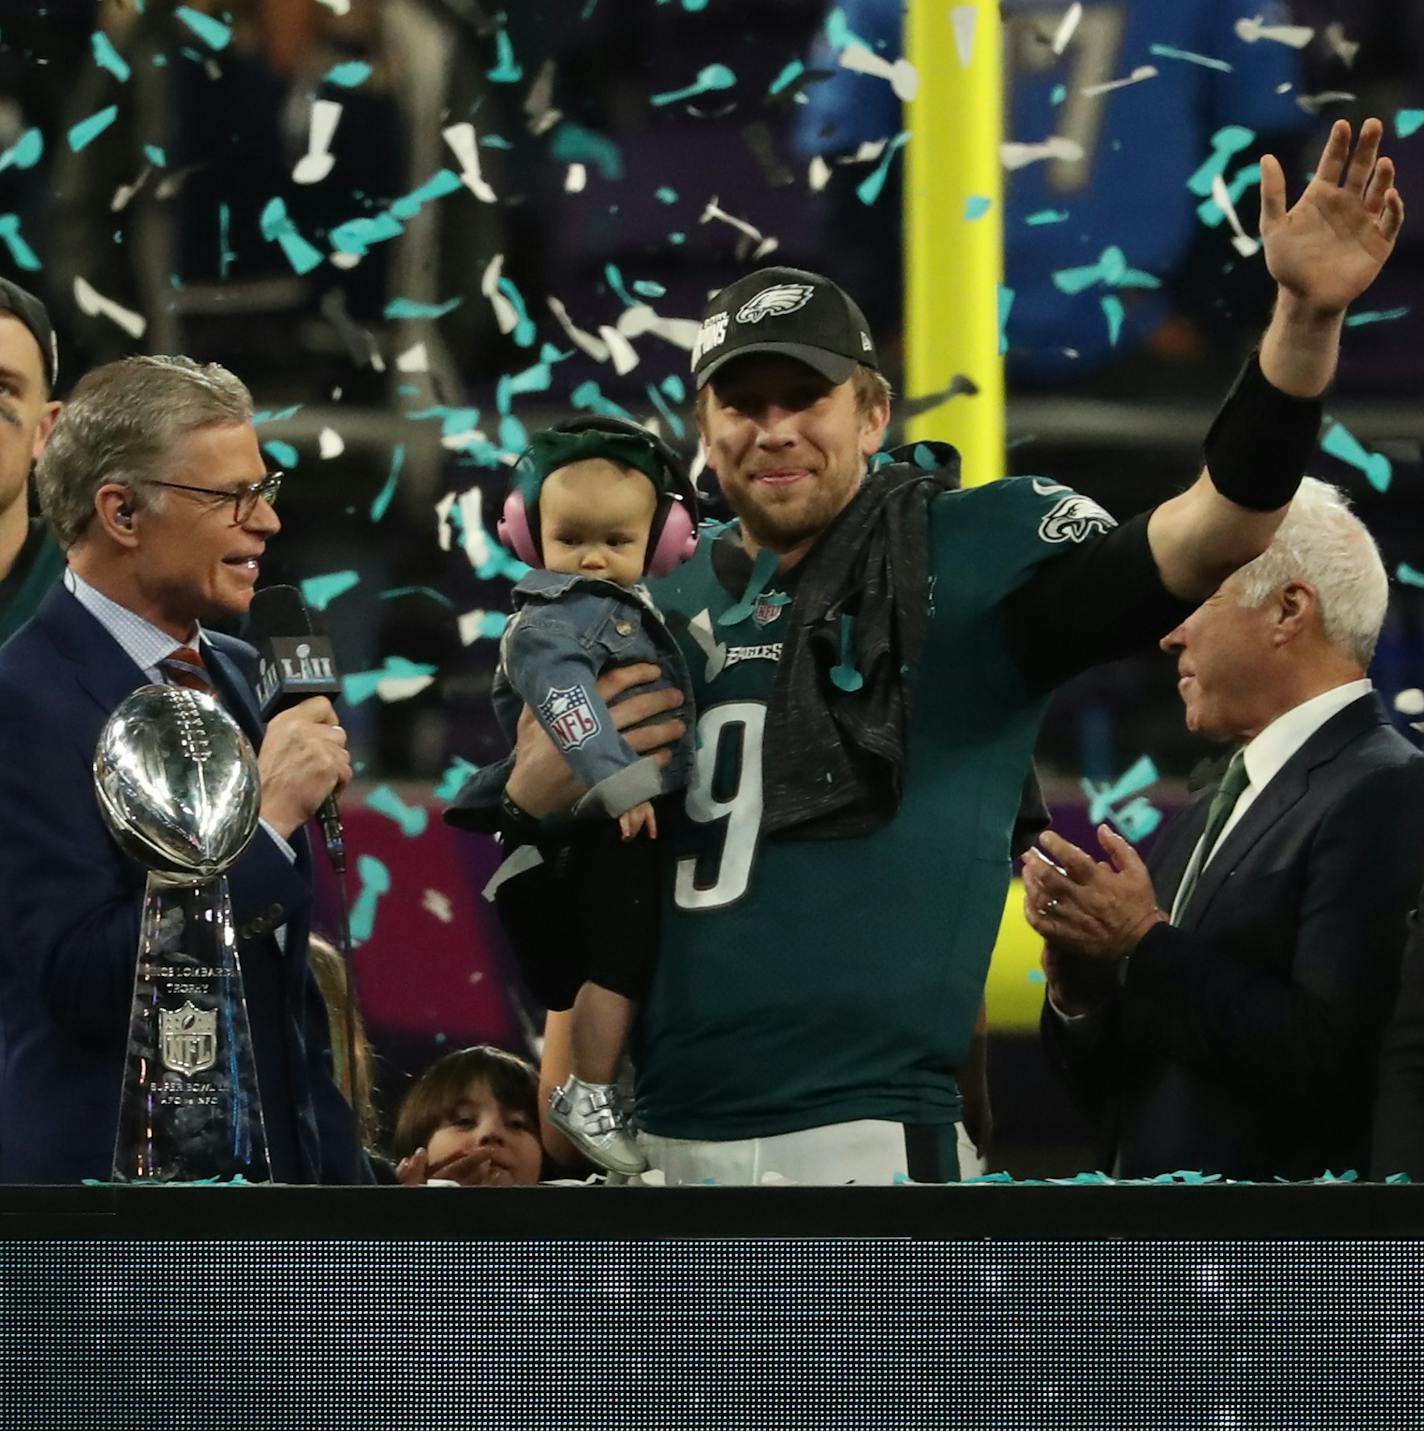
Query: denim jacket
column 565, row 630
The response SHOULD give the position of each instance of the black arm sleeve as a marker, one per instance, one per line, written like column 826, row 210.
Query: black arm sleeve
column 1102, row 599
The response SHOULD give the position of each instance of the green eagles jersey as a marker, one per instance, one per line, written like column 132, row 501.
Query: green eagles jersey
column 808, row 982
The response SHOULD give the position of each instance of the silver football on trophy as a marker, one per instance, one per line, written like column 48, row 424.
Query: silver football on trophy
column 177, row 783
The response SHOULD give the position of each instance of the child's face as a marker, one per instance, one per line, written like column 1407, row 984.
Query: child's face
column 594, row 520
column 484, row 1144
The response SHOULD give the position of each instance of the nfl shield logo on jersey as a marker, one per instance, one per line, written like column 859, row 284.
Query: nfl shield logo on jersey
column 569, row 715
column 768, row 608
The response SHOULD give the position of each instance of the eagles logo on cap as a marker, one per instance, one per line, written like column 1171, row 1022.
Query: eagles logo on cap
column 779, row 298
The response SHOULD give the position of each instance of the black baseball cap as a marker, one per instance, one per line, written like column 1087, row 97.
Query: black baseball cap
column 22, row 304
column 789, row 311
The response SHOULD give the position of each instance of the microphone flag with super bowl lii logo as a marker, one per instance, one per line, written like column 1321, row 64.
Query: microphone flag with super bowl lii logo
column 295, row 660
column 178, row 787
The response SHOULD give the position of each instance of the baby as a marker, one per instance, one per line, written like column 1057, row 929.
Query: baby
column 595, row 505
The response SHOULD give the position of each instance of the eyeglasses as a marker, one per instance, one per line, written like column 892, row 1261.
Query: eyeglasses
column 243, row 499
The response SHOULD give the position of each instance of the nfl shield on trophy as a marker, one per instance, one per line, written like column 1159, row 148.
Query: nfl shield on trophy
column 177, row 782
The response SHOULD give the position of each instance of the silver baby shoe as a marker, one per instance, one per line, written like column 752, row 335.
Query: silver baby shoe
column 591, row 1116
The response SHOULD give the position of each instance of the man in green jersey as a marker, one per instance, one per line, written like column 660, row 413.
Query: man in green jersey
column 30, row 560
column 871, row 653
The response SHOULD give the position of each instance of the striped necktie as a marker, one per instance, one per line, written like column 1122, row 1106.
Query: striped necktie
column 1218, row 813
column 185, row 667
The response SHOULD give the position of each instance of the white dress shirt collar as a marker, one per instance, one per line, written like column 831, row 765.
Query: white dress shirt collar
column 144, row 643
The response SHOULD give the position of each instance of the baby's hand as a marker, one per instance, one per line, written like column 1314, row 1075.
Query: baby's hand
column 640, row 817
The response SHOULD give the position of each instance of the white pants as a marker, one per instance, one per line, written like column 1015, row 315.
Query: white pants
column 870, row 1153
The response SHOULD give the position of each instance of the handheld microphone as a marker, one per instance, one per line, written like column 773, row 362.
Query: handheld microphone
column 296, row 662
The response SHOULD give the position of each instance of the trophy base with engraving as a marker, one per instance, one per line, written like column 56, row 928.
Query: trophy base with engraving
column 189, row 1110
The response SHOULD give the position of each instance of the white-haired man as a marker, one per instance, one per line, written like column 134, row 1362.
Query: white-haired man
column 1223, row 1008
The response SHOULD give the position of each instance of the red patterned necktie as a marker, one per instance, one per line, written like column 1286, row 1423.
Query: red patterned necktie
column 184, row 667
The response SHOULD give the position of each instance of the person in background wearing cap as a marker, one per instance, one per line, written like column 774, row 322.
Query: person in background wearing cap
column 598, row 504
column 30, row 559
column 872, row 652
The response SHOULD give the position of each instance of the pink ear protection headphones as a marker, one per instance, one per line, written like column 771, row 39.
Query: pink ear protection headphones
column 673, row 536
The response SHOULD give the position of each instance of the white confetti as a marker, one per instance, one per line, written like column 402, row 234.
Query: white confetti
column 866, row 152
column 904, row 78
column 576, row 180
column 1067, row 27
column 539, row 103
column 330, row 443
column 463, row 141
column 1142, row 72
column 339, row 7
column 506, row 315
column 1251, row 30
column 413, row 360
column 1314, row 103
column 594, row 347
column 316, row 163
column 818, row 175
column 1240, row 242
column 712, row 211
column 93, row 304
column 1342, row 48
column 963, row 19
column 402, row 688
column 640, row 318
column 1410, row 702
column 1016, row 156
column 620, row 350
column 474, row 626
column 439, row 905
column 125, row 192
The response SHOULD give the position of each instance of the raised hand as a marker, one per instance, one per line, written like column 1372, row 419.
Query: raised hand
column 1328, row 247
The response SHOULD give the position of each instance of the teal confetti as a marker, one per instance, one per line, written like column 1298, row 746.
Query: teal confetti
column 1408, row 121
column 1037, row 976
column 1047, row 216
column 588, row 397
column 646, row 288
column 108, row 58
column 513, row 436
column 412, row 819
column 361, row 685
column 1111, row 270
column 839, row 33
column 1006, row 306
column 665, row 195
column 674, row 387
column 1058, row 94
column 505, row 70
column 444, row 181
column 1407, row 574
column 868, row 190
column 25, row 152
column 266, row 415
column 844, row 675
column 1226, row 144
column 156, row 155
column 320, row 591
column 282, row 453
column 676, row 426
column 278, row 228
column 1113, row 312
column 430, row 591
column 25, row 257
column 524, row 330
column 1340, row 442
column 383, row 497
column 88, row 130
column 375, row 881
column 789, row 74
column 406, row 308
column 225, row 253
column 1211, row 213
column 573, row 144
column 356, row 236
column 494, row 141
column 213, row 33
column 615, row 282
column 709, row 78
column 693, row 6
column 1135, row 818
column 456, row 774
column 924, row 458
column 764, row 568
column 351, row 75
column 1383, row 315
column 976, row 206
column 1168, row 52
column 676, row 238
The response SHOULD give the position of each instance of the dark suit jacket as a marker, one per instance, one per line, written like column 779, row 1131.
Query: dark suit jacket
column 1399, row 1105
column 69, row 925
column 1244, row 1041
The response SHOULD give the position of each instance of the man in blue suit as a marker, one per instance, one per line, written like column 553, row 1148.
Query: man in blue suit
column 154, row 485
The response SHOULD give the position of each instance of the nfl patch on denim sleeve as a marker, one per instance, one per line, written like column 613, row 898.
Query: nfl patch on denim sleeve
column 569, row 715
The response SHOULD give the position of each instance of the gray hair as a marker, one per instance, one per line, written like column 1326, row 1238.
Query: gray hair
column 125, row 421
column 1323, row 543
